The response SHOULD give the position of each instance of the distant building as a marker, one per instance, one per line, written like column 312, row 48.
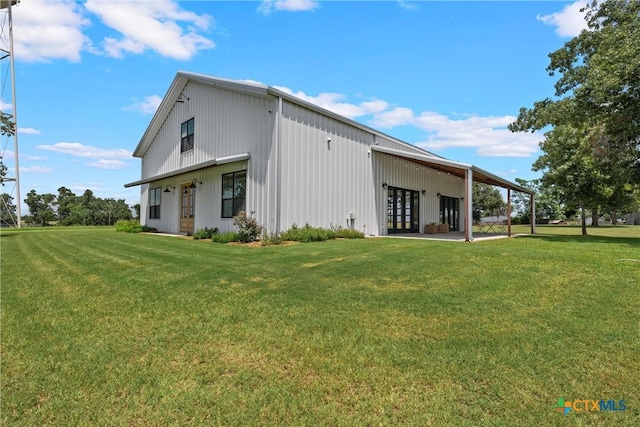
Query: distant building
column 216, row 147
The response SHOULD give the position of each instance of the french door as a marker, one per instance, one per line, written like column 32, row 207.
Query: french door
column 450, row 212
column 187, row 207
column 402, row 210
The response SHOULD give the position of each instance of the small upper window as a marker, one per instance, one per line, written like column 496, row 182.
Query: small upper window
column 154, row 203
column 186, row 136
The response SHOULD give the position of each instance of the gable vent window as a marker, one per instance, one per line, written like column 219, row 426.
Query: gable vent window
column 186, row 136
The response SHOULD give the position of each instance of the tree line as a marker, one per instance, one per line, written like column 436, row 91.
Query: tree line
column 67, row 208
column 591, row 150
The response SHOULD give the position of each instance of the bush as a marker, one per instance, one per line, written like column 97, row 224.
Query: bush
column 231, row 236
column 128, row 226
column 133, row 226
column 248, row 227
column 347, row 233
column 205, row 233
column 266, row 240
column 307, row 234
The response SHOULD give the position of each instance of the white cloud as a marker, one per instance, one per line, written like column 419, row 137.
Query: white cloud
column 268, row 6
column 80, row 150
column 28, row 131
column 148, row 105
column 569, row 22
column 332, row 102
column 4, row 106
column 152, row 25
column 35, row 169
column 406, row 5
column 487, row 134
column 107, row 164
column 46, row 30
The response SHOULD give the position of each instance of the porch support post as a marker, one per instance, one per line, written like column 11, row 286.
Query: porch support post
column 468, row 205
column 509, row 211
column 533, row 215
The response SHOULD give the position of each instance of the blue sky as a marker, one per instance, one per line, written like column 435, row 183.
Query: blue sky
column 447, row 76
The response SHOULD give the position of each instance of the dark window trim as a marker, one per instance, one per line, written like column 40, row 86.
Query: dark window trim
column 154, row 210
column 187, row 140
column 237, row 202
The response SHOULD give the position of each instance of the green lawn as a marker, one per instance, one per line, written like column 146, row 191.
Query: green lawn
column 106, row 328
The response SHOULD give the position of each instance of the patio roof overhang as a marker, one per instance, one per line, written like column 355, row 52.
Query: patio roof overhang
column 454, row 168
column 215, row 162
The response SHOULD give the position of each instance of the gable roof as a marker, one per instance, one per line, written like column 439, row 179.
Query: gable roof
column 243, row 86
column 413, row 152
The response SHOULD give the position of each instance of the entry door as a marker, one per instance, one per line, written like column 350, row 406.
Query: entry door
column 402, row 210
column 187, row 208
column 450, row 212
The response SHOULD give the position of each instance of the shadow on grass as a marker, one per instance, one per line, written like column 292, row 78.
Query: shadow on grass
column 554, row 238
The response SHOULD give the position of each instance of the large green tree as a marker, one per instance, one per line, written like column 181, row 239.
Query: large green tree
column 592, row 152
column 599, row 81
column 487, row 201
column 547, row 205
column 41, row 207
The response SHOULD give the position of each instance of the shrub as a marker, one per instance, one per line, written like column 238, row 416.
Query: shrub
column 230, row 236
column 267, row 240
column 248, row 227
column 128, row 226
column 133, row 226
column 347, row 233
column 307, row 234
column 204, row 233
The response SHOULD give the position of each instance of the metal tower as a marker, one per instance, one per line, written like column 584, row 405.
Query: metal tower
column 6, row 51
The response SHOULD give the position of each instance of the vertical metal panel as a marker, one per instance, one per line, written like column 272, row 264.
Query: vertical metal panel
column 326, row 171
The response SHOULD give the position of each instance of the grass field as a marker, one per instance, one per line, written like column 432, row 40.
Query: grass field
column 106, row 328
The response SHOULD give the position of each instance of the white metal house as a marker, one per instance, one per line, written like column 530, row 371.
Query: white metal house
column 217, row 146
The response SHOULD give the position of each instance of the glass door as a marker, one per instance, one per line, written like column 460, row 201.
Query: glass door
column 450, row 212
column 402, row 210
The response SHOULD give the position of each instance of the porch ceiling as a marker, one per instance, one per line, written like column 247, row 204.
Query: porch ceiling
column 454, row 168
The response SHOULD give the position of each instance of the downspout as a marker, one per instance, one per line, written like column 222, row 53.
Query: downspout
column 468, row 205
column 278, row 174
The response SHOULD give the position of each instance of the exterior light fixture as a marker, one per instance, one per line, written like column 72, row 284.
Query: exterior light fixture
column 384, row 185
column 194, row 182
column 439, row 194
column 167, row 189
column 424, row 192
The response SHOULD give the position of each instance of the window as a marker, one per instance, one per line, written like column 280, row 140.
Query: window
column 154, row 203
column 186, row 136
column 234, row 193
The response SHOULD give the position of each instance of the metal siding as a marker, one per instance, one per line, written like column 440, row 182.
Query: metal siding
column 323, row 183
column 396, row 172
column 226, row 123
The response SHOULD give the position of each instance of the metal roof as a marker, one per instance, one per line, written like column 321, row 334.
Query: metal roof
column 414, row 153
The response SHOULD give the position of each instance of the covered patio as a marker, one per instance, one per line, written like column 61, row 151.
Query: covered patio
column 470, row 174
